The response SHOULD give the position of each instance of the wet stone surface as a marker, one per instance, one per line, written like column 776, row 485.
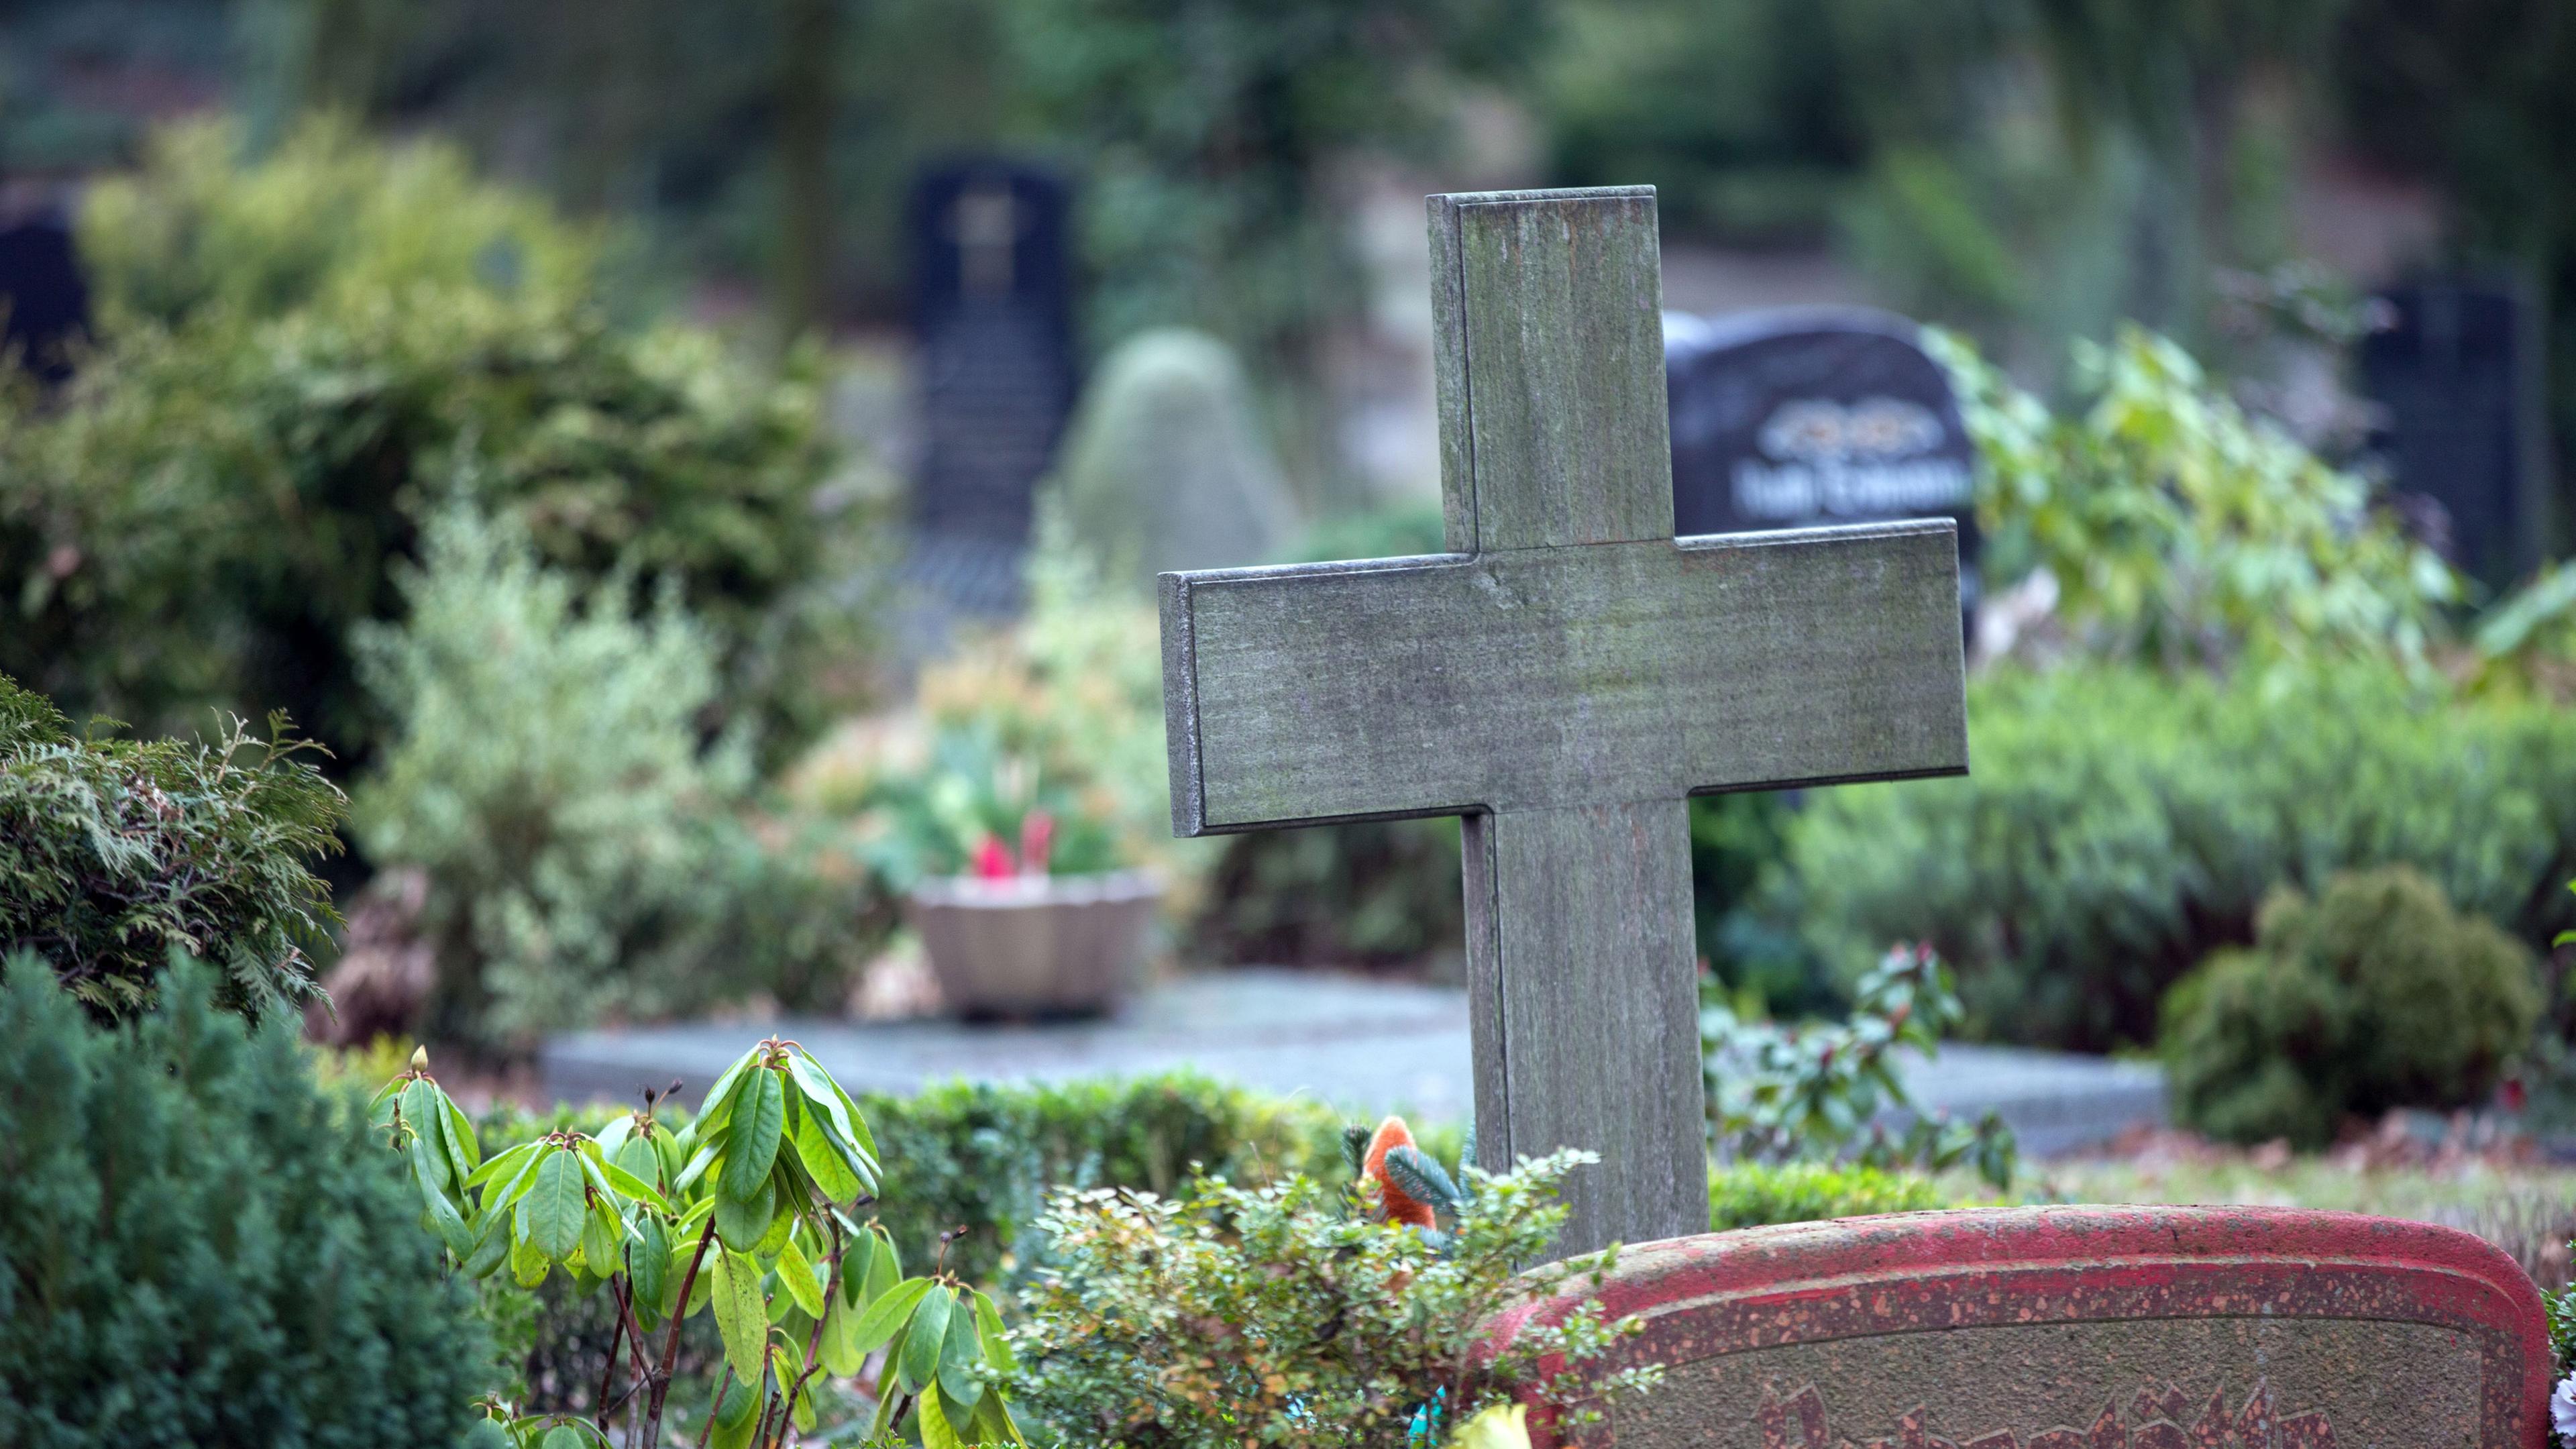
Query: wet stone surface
column 1366, row 1046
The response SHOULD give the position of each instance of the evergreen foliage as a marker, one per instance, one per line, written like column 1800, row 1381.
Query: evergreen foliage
column 2121, row 826
column 2372, row 995
column 584, row 849
column 1284, row 1315
column 200, row 1247
column 297, row 357
column 115, row 852
column 1753, row 1194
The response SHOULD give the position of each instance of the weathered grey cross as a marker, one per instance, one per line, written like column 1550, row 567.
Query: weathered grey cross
column 1564, row 679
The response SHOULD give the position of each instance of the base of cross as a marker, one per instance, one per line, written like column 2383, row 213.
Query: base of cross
column 2074, row 1328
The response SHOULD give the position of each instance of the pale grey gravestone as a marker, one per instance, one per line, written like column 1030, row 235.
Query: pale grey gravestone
column 1564, row 679
column 1165, row 467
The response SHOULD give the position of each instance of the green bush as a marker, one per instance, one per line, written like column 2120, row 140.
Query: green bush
column 585, row 852
column 199, row 1247
column 1751, row 1194
column 2120, row 826
column 298, row 356
column 984, row 1157
column 2183, row 531
column 1228, row 1316
column 2373, row 995
column 115, row 852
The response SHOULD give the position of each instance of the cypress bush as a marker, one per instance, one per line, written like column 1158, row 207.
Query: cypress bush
column 115, row 852
column 199, row 1247
column 2372, row 995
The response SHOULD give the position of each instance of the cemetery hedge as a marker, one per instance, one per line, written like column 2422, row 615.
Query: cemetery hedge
column 2120, row 826
column 297, row 356
column 116, row 852
column 2372, row 995
column 1755, row 1194
column 200, row 1246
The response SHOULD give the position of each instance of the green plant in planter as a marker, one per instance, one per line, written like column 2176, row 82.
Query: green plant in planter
column 978, row 805
column 747, row 1212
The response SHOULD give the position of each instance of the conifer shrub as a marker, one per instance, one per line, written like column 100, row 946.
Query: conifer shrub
column 114, row 852
column 200, row 1247
column 298, row 355
column 587, row 850
column 2372, row 995
column 2120, row 826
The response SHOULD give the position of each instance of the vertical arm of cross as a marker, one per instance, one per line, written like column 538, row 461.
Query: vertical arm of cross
column 1550, row 370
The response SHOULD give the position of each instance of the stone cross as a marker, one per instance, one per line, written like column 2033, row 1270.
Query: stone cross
column 1564, row 679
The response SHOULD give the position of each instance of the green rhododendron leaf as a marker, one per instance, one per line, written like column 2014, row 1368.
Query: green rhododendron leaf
column 988, row 1328
column 649, row 1265
column 855, row 1260
column 462, row 1149
column 935, row 1430
column 958, row 1357
column 601, row 1250
column 528, row 1263
column 928, row 1335
column 491, row 1246
column 886, row 1313
column 628, row 1185
column 743, row 1222
column 885, row 1265
column 636, row 1158
column 796, row 1275
column 742, row 1318
column 751, row 1140
column 839, row 1349
column 553, row 1206
column 824, row 1161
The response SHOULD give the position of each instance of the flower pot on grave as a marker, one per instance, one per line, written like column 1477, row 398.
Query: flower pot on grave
column 1034, row 945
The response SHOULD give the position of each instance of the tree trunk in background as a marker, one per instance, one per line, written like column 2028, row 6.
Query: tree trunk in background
column 807, row 33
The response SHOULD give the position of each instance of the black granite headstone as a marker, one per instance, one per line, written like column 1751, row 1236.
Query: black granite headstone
column 42, row 294
column 2457, row 379
column 1803, row 416
column 992, row 305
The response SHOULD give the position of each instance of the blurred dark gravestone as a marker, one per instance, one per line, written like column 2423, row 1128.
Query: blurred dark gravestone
column 42, row 293
column 992, row 309
column 1806, row 416
column 2458, row 377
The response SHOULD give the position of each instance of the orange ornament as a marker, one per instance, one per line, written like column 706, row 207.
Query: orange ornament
column 1398, row 1207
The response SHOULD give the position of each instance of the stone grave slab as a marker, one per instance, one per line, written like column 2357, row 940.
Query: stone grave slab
column 2078, row 1328
column 1798, row 416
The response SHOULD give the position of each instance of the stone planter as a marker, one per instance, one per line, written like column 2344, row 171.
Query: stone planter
column 1026, row 946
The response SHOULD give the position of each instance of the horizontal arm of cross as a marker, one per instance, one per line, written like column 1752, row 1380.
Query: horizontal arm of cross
column 1586, row 675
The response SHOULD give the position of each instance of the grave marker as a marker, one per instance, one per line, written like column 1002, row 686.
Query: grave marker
column 2459, row 375
column 2077, row 1328
column 992, row 310
column 1802, row 416
column 42, row 293
column 1564, row 679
